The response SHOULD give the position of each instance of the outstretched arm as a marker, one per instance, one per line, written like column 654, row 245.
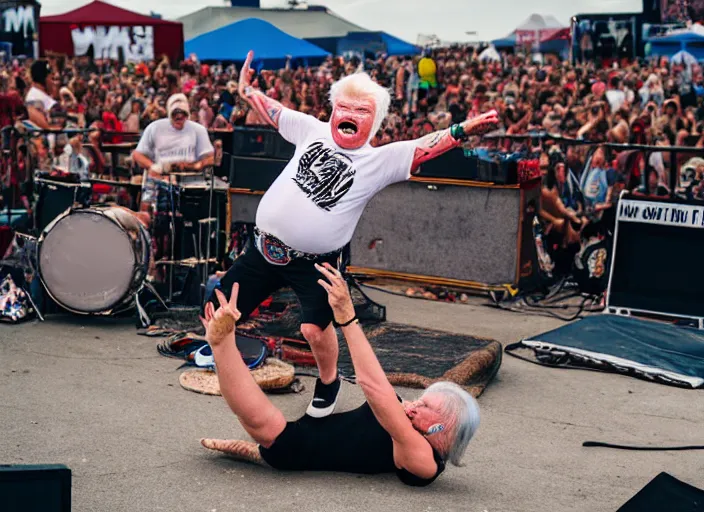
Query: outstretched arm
column 411, row 451
column 269, row 109
column 436, row 143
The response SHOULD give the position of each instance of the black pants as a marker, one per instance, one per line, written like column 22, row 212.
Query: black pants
column 258, row 279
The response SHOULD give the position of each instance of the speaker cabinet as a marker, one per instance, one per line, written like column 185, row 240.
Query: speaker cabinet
column 261, row 142
column 451, row 232
column 656, row 252
column 44, row 488
column 253, row 173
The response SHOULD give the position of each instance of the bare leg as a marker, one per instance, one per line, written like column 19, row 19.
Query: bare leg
column 259, row 417
column 324, row 345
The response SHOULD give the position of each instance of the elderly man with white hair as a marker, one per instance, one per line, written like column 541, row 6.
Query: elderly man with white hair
column 383, row 435
column 310, row 212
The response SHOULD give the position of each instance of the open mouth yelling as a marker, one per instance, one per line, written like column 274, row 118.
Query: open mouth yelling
column 347, row 128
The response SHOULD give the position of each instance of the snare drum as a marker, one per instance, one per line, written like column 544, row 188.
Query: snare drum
column 94, row 260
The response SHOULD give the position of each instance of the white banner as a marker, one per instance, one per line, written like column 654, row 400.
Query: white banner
column 665, row 214
column 135, row 42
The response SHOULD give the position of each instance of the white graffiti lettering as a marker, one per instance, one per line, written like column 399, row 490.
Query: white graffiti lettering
column 136, row 43
column 19, row 19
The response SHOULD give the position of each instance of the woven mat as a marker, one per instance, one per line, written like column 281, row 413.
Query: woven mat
column 273, row 375
column 416, row 358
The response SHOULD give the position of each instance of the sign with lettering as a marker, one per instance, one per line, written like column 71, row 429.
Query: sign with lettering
column 18, row 27
column 128, row 44
column 664, row 214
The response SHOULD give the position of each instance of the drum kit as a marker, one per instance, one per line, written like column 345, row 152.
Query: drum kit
column 95, row 260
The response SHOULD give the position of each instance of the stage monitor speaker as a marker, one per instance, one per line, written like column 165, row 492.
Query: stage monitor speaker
column 463, row 235
column 253, row 173
column 45, row 488
column 656, row 253
column 261, row 142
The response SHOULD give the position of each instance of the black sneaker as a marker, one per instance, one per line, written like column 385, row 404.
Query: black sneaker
column 324, row 398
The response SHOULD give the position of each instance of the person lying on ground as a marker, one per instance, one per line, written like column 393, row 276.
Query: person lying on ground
column 384, row 435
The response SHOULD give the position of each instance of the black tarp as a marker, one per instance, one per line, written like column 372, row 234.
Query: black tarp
column 647, row 349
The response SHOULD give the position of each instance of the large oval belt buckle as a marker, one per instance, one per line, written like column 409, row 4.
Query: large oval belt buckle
column 274, row 252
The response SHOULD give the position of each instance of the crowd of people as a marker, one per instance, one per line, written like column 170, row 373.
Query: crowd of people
column 656, row 103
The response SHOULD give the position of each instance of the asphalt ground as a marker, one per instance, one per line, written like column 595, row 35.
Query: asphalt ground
column 91, row 394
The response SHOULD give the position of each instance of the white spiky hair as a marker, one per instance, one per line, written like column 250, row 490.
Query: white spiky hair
column 361, row 84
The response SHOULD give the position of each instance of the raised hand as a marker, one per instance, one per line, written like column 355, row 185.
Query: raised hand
column 220, row 323
column 338, row 293
column 481, row 124
column 246, row 74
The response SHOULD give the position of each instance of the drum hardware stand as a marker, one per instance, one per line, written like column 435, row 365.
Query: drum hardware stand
column 200, row 257
column 210, row 216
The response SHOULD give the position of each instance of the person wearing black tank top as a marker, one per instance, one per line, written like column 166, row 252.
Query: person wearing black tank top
column 383, row 435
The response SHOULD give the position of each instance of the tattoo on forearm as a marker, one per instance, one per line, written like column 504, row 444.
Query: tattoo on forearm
column 431, row 146
column 269, row 109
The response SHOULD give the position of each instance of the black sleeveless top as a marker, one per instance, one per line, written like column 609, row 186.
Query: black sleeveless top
column 352, row 442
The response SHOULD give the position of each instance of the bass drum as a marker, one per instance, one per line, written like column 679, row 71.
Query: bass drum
column 94, row 260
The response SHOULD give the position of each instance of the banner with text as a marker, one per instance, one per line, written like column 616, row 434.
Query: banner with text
column 665, row 214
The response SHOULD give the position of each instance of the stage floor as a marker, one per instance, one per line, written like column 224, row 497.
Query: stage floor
column 93, row 395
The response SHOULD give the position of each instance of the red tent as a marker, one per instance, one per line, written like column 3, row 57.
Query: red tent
column 110, row 32
column 562, row 34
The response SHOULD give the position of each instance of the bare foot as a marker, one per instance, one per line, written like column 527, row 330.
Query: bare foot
column 240, row 450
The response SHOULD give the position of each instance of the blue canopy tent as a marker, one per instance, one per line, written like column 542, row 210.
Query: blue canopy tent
column 669, row 45
column 271, row 46
column 396, row 46
column 505, row 42
column 373, row 43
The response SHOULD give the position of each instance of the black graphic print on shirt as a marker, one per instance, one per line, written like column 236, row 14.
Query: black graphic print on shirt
column 324, row 175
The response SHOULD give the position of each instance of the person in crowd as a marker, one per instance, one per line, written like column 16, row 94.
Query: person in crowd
column 597, row 183
column 39, row 100
column 310, row 212
column 561, row 218
column 652, row 186
column 413, row 439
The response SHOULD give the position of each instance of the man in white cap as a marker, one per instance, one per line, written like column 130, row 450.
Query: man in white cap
column 310, row 212
column 170, row 144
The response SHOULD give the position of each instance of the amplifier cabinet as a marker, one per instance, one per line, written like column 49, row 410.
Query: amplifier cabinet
column 452, row 232
column 254, row 173
column 654, row 270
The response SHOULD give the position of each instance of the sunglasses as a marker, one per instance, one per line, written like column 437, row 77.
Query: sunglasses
column 178, row 113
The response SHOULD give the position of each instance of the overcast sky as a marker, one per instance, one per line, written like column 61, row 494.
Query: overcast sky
column 450, row 20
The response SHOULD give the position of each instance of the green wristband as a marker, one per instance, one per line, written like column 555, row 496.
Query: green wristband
column 457, row 132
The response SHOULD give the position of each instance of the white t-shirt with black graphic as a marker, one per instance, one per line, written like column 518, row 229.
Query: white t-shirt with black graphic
column 163, row 143
column 315, row 203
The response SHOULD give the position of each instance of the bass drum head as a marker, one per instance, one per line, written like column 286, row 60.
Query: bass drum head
column 87, row 262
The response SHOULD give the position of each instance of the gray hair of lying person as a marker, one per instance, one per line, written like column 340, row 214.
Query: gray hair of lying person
column 461, row 414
